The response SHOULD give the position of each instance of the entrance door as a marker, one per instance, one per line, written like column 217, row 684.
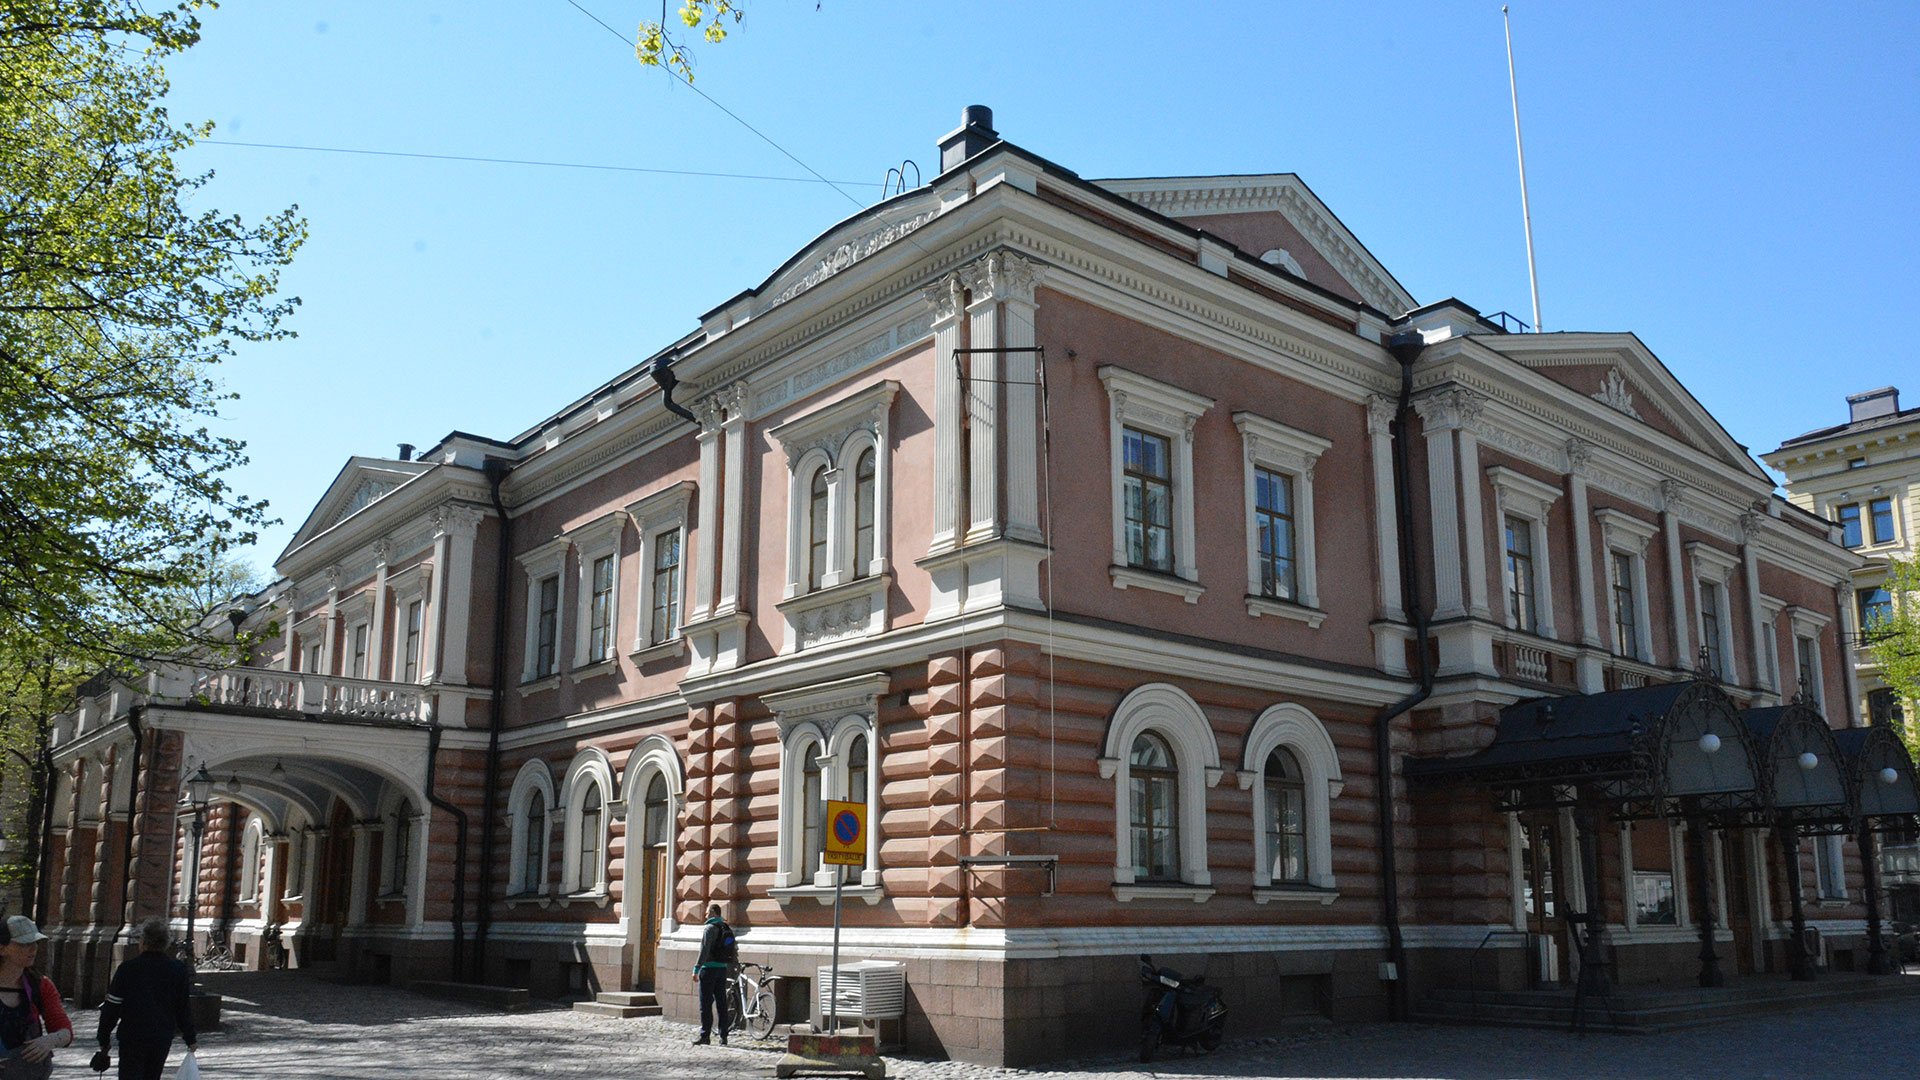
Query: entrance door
column 1741, row 919
column 655, row 884
column 1540, row 896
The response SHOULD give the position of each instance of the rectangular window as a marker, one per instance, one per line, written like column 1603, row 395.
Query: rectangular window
column 1829, row 871
column 312, row 665
column 666, row 586
column 1273, row 512
column 359, row 669
column 1771, row 654
column 1806, row 654
column 1876, row 606
column 1626, row 615
column 1653, row 898
column 296, row 849
column 410, row 650
column 1149, row 500
column 1850, row 525
column 547, row 627
column 599, row 632
column 1710, row 603
column 1520, row 583
column 1883, row 709
column 1880, row 518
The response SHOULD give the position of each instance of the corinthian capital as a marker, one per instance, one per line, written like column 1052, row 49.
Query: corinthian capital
column 1380, row 413
column 1001, row 275
column 1449, row 409
column 1579, row 456
column 945, row 297
column 456, row 519
column 1672, row 494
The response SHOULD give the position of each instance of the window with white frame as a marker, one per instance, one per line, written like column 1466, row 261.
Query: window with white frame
column 408, row 643
column 589, row 781
column 1770, row 650
column 1626, row 538
column 543, row 566
column 1151, row 426
column 296, row 848
column 358, row 656
column 1867, row 524
column 838, row 490
column 1293, row 770
column 250, row 841
column 1278, row 491
column 528, row 808
column 1808, row 678
column 1161, row 755
column 1713, row 571
column 598, row 546
column 1829, row 867
column 313, row 660
column 1523, row 504
column 829, row 750
column 413, row 624
column 660, row 519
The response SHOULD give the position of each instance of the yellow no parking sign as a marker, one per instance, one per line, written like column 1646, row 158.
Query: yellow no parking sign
column 846, row 833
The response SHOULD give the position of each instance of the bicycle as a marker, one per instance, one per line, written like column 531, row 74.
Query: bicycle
column 750, row 999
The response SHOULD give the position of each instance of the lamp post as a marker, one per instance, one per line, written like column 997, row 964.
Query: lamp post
column 199, row 792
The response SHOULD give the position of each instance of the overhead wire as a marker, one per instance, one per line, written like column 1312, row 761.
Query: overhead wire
column 526, row 161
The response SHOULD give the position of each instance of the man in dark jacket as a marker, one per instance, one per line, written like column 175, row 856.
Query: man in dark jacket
column 711, row 971
column 148, row 1000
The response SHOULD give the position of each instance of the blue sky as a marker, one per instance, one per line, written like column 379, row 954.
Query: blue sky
column 1731, row 181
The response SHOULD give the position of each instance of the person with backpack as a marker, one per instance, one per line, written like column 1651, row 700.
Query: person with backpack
column 33, row 1020
column 148, row 1000
column 718, row 953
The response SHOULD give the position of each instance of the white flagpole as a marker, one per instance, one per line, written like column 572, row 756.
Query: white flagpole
column 1520, row 147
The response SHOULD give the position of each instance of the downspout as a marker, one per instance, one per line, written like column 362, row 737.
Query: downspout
column 459, row 854
column 1406, row 348
column 496, row 472
column 133, row 803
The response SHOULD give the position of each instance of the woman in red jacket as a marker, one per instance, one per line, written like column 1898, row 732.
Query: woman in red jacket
column 33, row 1022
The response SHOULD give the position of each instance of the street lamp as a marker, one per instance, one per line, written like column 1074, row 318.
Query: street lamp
column 199, row 793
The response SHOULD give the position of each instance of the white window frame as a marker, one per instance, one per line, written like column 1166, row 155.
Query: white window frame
column 1829, row 868
column 831, row 437
column 654, row 754
column 1297, row 729
column 596, row 540
column 1135, row 401
column 294, row 887
column 1771, row 678
column 1809, row 624
column 251, row 838
column 1170, row 713
column 1713, row 569
column 547, row 560
column 1517, row 495
column 534, row 777
column 1291, row 452
column 654, row 516
column 1627, row 535
column 589, row 767
column 410, row 586
column 829, row 715
column 356, row 614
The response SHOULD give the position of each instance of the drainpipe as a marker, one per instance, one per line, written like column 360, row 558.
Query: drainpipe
column 459, row 854
column 134, row 716
column 496, row 472
column 1406, row 348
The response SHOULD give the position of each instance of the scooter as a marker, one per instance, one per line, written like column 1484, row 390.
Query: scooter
column 1184, row 1012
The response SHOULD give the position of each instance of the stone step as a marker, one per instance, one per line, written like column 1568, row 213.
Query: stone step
column 621, row 1012
column 627, row 997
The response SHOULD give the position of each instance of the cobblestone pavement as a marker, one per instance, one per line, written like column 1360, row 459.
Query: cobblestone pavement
column 285, row 1026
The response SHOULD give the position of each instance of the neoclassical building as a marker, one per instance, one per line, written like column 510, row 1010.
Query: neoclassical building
column 1162, row 576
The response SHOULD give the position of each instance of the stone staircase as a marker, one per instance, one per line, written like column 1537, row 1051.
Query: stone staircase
column 1651, row 1009
column 620, row 1003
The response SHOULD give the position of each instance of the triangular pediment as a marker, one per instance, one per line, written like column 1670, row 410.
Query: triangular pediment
column 1277, row 219
column 361, row 483
column 1619, row 372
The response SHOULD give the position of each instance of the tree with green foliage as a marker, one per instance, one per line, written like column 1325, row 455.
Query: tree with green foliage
column 120, row 292
column 1894, row 640
column 656, row 46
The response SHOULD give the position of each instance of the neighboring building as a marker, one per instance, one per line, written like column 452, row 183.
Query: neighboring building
column 1864, row 476
column 1088, row 533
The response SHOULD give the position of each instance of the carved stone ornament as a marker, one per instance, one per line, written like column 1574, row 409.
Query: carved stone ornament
column 334, row 577
column 1750, row 526
column 945, row 296
column 1449, row 409
column 1673, row 494
column 456, row 519
column 383, row 550
column 1001, row 275
column 1615, row 395
column 1380, row 413
column 1579, row 456
column 711, row 410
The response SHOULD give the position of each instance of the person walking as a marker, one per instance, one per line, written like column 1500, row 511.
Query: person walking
column 148, row 1000
column 33, row 1019
column 711, row 970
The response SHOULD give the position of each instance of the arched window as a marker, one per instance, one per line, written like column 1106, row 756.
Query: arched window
column 857, row 769
column 1286, row 792
column 864, row 506
column 1155, row 802
column 589, row 837
column 813, row 814
column 656, row 818
column 533, row 853
column 817, row 529
column 250, row 861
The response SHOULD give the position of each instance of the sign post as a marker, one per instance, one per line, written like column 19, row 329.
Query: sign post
column 846, row 846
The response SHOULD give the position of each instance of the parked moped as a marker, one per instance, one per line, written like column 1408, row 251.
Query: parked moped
column 1184, row 1012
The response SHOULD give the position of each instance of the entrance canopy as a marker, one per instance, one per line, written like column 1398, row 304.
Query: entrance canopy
column 1882, row 776
column 1803, row 778
column 1637, row 749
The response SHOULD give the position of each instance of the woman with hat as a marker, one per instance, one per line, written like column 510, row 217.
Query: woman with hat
column 33, row 1022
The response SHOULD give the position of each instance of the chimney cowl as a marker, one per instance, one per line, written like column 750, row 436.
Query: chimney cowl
column 406, row 451
column 974, row 134
column 1872, row 404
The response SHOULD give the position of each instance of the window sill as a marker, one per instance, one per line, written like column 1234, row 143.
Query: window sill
column 1126, row 577
column 596, row 897
column 823, row 894
column 294, row 898
column 1828, row 903
column 647, row 654
column 391, row 898
column 1198, row 894
column 1294, row 894
column 595, row 669
column 539, row 900
column 1285, row 609
column 540, row 685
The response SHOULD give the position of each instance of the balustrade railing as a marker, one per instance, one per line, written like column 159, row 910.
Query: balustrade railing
column 1529, row 662
column 322, row 695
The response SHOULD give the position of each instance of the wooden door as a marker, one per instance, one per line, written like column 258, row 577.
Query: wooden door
column 653, row 909
column 1737, row 863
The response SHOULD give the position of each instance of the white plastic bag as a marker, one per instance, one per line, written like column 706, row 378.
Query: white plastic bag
column 189, row 1068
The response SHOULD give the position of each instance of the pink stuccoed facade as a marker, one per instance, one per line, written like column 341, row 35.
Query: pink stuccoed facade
column 1054, row 520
